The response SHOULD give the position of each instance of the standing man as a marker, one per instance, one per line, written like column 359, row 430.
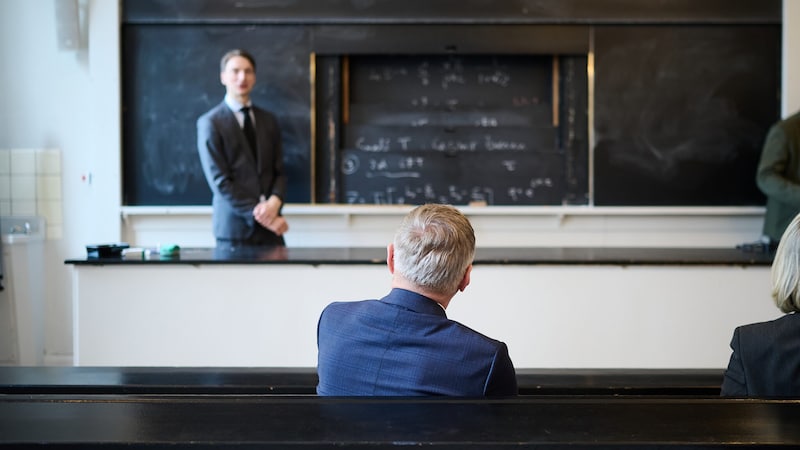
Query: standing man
column 778, row 176
column 404, row 344
column 242, row 158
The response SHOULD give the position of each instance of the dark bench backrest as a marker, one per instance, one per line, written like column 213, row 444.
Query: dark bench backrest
column 301, row 381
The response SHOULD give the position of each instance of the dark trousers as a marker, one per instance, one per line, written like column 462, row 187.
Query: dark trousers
column 261, row 237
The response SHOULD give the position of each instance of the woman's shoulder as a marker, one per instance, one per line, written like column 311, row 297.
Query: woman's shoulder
column 787, row 323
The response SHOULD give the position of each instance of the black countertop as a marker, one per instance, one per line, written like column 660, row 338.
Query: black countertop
column 483, row 256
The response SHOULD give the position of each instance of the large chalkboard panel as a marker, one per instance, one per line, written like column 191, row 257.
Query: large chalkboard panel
column 171, row 76
column 461, row 128
column 681, row 113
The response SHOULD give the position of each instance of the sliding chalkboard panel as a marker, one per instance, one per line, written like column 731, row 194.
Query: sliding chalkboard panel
column 416, row 177
column 681, row 113
column 460, row 128
column 171, row 76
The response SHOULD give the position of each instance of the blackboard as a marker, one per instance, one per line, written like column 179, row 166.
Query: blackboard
column 681, row 113
column 460, row 129
column 674, row 115
column 171, row 77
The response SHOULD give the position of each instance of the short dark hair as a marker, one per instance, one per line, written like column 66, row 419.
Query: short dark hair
column 236, row 52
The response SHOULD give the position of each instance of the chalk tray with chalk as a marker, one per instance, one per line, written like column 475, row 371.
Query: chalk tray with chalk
column 106, row 250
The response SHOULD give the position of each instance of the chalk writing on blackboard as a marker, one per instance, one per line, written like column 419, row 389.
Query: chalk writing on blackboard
column 414, row 177
column 447, row 73
column 455, row 129
column 487, row 142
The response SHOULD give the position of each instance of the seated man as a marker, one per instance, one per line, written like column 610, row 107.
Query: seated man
column 404, row 344
column 765, row 361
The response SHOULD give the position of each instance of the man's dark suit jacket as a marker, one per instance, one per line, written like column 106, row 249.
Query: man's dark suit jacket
column 236, row 178
column 404, row 345
column 765, row 360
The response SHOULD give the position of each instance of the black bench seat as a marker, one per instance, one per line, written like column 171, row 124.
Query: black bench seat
column 280, row 422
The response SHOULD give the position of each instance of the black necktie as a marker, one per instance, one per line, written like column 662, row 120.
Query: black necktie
column 249, row 131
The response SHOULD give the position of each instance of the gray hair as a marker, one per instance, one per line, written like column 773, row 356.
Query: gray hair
column 433, row 247
column 786, row 269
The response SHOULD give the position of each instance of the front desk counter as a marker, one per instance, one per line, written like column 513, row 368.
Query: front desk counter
column 652, row 308
column 483, row 256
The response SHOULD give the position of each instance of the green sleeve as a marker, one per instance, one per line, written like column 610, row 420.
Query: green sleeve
column 773, row 167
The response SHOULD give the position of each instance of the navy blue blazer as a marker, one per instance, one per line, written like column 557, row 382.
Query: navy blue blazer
column 766, row 359
column 404, row 345
column 237, row 179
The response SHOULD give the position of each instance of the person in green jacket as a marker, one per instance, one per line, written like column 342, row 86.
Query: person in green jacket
column 778, row 176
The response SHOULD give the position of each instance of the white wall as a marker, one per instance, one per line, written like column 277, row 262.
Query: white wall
column 70, row 100
column 791, row 57
column 67, row 100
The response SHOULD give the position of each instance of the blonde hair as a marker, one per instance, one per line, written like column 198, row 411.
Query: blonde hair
column 786, row 269
column 433, row 247
column 236, row 52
